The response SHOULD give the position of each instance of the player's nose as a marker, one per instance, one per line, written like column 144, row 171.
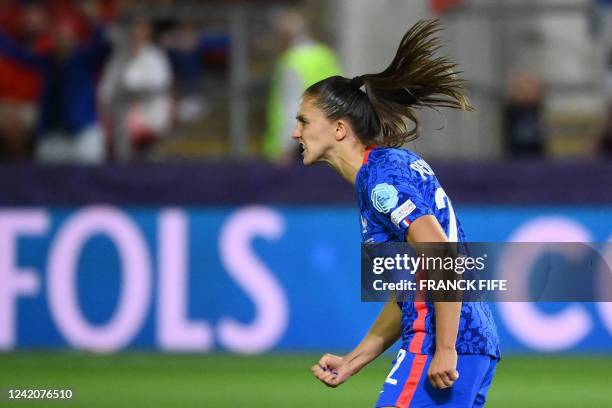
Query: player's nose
column 296, row 133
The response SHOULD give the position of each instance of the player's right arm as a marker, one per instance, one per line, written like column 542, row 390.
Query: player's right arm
column 333, row 370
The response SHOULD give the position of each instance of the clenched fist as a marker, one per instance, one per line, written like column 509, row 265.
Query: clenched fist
column 332, row 370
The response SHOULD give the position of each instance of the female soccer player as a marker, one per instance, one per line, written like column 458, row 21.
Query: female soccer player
column 449, row 349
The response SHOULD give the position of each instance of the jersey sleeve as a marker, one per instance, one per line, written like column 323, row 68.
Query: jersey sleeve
column 395, row 197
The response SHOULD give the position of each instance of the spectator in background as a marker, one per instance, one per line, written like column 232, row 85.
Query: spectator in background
column 302, row 62
column 524, row 131
column 20, row 85
column 184, row 48
column 187, row 47
column 67, row 129
column 139, row 79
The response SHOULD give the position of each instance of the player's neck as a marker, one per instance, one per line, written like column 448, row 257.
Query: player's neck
column 347, row 160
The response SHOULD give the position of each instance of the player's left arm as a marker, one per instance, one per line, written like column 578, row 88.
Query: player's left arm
column 443, row 368
column 333, row 370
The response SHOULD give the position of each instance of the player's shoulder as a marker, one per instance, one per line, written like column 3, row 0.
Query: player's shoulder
column 386, row 162
column 390, row 157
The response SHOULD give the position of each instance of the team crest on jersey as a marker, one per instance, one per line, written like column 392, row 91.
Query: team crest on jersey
column 384, row 197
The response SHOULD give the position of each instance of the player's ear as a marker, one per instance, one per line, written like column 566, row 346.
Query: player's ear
column 341, row 130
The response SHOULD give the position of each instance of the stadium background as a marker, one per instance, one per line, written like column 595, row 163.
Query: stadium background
column 193, row 271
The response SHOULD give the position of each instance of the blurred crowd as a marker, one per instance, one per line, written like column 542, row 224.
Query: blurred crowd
column 90, row 81
column 73, row 74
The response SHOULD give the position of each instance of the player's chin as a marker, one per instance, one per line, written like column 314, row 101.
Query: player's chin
column 308, row 159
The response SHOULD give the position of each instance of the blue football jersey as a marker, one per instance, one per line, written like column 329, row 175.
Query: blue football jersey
column 395, row 187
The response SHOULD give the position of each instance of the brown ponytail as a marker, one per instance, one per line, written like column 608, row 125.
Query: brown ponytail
column 415, row 78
